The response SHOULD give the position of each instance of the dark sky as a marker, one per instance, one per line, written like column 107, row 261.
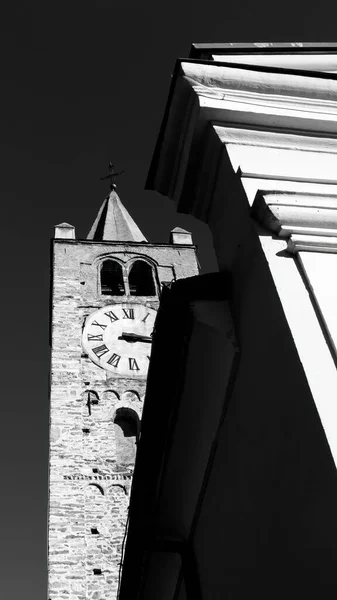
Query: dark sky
column 83, row 82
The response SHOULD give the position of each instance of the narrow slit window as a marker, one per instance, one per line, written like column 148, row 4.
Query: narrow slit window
column 112, row 283
column 141, row 280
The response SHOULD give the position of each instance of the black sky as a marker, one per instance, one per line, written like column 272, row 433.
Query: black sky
column 83, row 82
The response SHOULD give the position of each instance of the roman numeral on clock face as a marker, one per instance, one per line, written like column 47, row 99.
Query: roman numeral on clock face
column 111, row 316
column 146, row 316
column 99, row 325
column 114, row 360
column 95, row 338
column 100, row 350
column 128, row 313
column 133, row 366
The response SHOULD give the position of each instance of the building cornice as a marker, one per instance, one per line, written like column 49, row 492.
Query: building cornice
column 209, row 79
column 260, row 116
column 307, row 221
column 268, row 48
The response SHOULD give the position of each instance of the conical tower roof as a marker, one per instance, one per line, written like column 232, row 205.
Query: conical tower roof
column 113, row 223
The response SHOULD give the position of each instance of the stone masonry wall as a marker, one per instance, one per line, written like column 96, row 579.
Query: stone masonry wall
column 88, row 487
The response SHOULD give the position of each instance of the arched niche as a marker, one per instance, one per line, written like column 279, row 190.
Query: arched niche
column 118, row 488
column 112, row 282
column 92, row 489
column 110, row 396
column 94, row 504
column 130, row 396
column 141, row 279
column 126, row 425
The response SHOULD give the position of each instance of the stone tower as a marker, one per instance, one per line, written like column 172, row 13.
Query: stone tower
column 105, row 293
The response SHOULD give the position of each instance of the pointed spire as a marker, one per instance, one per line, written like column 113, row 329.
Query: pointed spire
column 114, row 223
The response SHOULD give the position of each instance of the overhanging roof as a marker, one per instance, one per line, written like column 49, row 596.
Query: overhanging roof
column 205, row 50
column 238, row 86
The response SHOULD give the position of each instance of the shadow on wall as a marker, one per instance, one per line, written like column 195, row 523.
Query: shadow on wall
column 126, row 424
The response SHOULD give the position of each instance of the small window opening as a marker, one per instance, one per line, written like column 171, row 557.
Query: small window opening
column 94, row 531
column 112, row 283
column 97, row 571
column 95, row 470
column 141, row 281
column 85, row 430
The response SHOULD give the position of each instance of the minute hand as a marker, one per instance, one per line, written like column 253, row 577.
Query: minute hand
column 135, row 337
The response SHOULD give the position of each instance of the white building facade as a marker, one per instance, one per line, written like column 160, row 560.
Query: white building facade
column 247, row 502
column 260, row 122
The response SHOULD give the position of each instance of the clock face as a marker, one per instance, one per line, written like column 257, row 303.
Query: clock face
column 118, row 338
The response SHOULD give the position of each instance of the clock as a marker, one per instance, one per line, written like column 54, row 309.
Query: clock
column 118, row 338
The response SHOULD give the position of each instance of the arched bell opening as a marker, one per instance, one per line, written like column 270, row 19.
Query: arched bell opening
column 141, row 279
column 112, row 283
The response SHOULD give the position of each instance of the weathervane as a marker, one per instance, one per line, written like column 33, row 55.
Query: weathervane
column 112, row 175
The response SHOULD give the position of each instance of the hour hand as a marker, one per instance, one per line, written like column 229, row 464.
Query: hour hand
column 135, row 337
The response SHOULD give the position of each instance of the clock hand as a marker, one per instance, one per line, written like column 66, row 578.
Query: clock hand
column 135, row 337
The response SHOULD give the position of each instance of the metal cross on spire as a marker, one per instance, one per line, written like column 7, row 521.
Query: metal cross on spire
column 112, row 175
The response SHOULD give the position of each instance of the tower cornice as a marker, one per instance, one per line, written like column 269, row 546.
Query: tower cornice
column 123, row 245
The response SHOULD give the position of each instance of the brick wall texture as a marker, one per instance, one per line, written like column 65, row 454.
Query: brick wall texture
column 91, row 462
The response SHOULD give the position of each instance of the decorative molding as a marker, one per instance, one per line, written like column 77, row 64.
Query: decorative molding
column 308, row 221
column 104, row 477
column 309, row 62
column 277, row 130
column 264, row 118
column 314, row 243
column 214, row 81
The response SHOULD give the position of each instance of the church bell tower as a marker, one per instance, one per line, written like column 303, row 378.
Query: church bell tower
column 105, row 294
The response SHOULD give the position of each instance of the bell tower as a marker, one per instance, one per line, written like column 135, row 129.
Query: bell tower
column 105, row 294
